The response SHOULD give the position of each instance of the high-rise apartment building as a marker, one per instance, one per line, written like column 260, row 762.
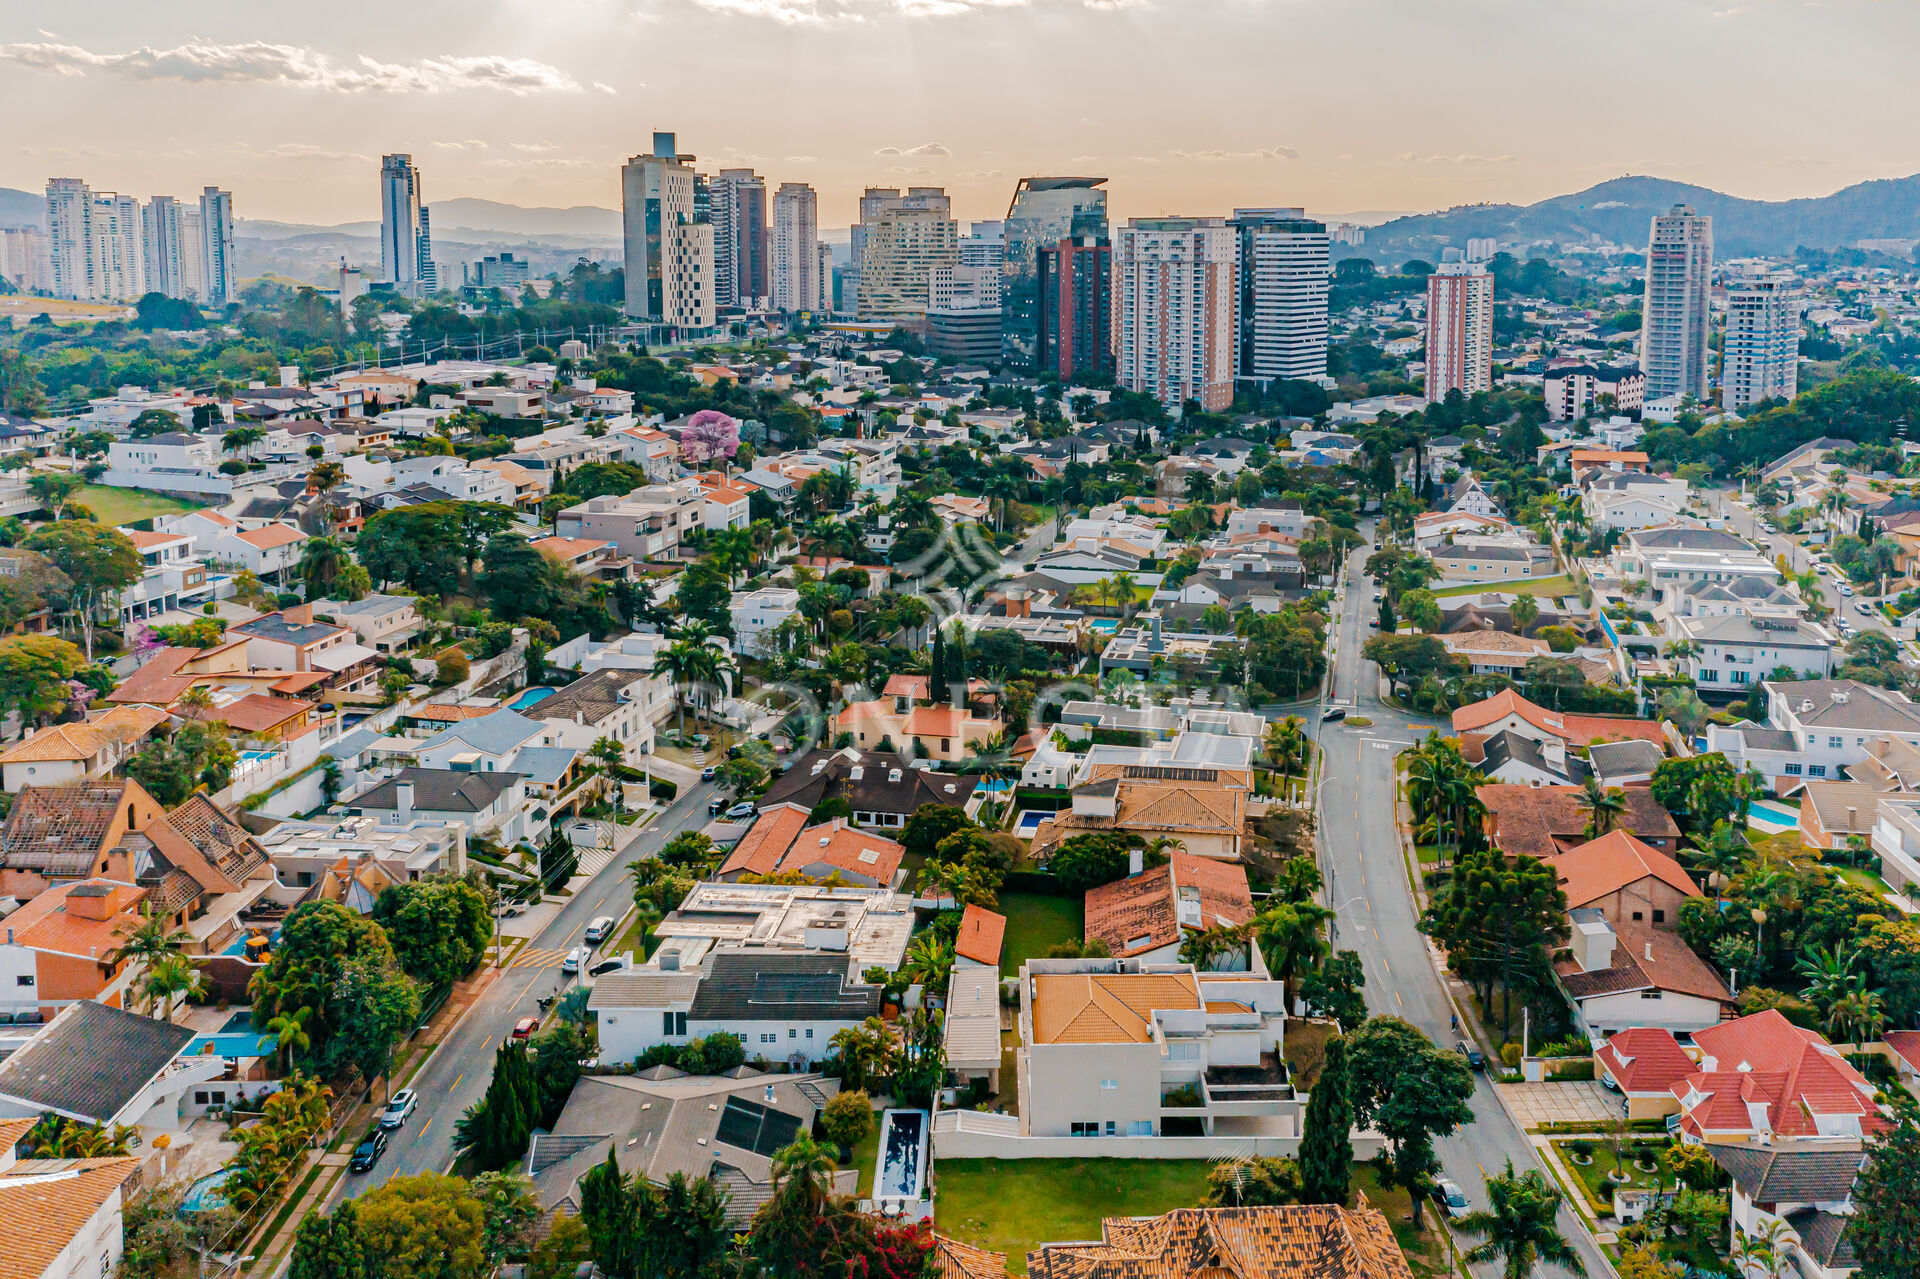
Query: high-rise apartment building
column 1075, row 294
column 905, row 239
column 219, row 280
column 795, row 275
column 399, row 222
column 1459, row 330
column 426, row 275
column 1044, row 211
column 162, row 224
column 739, row 215
column 116, row 255
column 1675, row 316
column 26, row 258
column 1175, row 303
column 70, row 238
column 827, row 300
column 1761, row 359
column 1285, row 265
column 669, row 255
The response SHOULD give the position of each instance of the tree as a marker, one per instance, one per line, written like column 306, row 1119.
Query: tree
column 152, row 941
column 330, row 1246
column 451, row 665
column 561, row 1253
column 1422, row 609
column 1326, row 1138
column 509, row 1209
column 1290, row 937
column 1604, row 806
column 317, row 941
column 1256, row 1182
column 1519, row 1230
column 437, row 927
column 516, row 577
column 424, row 1227
column 610, row 1218
column 1886, row 1203
column 1334, row 989
column 1410, row 1091
column 1087, row 861
column 1525, row 611
column 1684, row 707
column 169, row 980
column 495, row 1129
column 55, row 489
column 1702, row 790
column 1498, row 919
column 866, row 1053
column 100, row 563
column 931, row 824
column 373, row 1005
column 848, row 1119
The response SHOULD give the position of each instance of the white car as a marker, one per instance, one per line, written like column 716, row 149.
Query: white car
column 1863, row 607
column 597, row 930
column 404, row 1103
column 1846, row 590
column 575, row 958
column 1455, row 1200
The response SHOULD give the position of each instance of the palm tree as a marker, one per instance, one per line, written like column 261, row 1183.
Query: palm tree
column 866, row 1052
column 805, row 1170
column 241, row 439
column 1524, row 610
column 733, row 550
column 290, row 1032
column 322, row 560
column 1858, row 1016
column 1124, row 589
column 1519, row 1231
column 323, row 479
column 1762, row 1254
column 1000, row 491
column 1603, row 806
column 1290, row 938
column 149, row 943
column 168, row 980
column 683, row 663
column 1286, row 742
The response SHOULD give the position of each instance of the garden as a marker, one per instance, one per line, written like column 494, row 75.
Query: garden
column 1013, row 1205
column 1036, row 923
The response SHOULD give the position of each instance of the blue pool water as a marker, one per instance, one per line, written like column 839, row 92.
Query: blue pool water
column 1104, row 625
column 256, row 755
column 223, row 1045
column 1778, row 814
column 204, row 1193
column 1029, row 822
column 242, row 1020
column 994, row 786
column 532, row 697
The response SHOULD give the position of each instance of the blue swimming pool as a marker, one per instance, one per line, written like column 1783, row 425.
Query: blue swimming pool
column 1775, row 814
column 205, row 1193
column 532, row 697
column 1029, row 822
column 1104, row 625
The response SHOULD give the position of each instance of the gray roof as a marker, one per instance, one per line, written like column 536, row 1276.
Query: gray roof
column 495, row 734
column 1779, row 1175
column 544, row 765
column 1826, row 1237
column 276, row 627
column 1509, row 745
column 591, row 698
column 91, row 1061
column 1846, row 703
column 643, row 988
column 743, row 986
column 1760, row 737
column 1632, row 758
column 439, row 790
column 1143, row 719
column 353, row 745
column 372, row 606
column 1685, row 538
column 1742, row 628
column 1527, row 553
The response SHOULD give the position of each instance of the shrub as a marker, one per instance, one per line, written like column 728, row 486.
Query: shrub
column 848, row 1118
column 453, row 665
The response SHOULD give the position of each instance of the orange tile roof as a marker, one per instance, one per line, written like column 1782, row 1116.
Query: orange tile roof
column 568, row 548
column 981, row 935
column 1292, row 1241
column 44, row 1203
column 955, row 1260
column 1645, row 1059
column 443, row 714
column 145, row 541
column 845, row 848
column 217, row 517
column 936, row 721
column 918, row 687
column 1766, row 1057
column 1544, row 821
column 1142, row 912
column 82, row 741
column 272, row 535
column 1106, row 1008
column 48, row 922
column 254, row 713
column 1610, row 863
column 761, row 848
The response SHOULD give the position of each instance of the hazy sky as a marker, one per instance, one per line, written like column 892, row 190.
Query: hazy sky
column 1189, row 106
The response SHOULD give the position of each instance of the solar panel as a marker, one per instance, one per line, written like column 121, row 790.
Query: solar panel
column 779, row 988
column 1162, row 773
column 747, row 1125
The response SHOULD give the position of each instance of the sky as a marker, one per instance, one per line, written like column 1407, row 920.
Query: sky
column 1187, row 106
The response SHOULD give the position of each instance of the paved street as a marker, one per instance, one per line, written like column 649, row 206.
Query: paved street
column 456, row 1076
column 1744, row 521
column 1375, row 913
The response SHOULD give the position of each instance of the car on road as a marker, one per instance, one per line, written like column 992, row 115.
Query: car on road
column 1861, row 606
column 598, row 929
column 399, row 1106
column 368, row 1152
column 716, row 805
column 606, row 966
column 708, row 773
column 524, row 1028
column 1453, row 1199
column 575, row 958
column 1846, row 590
column 1334, row 713
column 1476, row 1060
column 744, row 808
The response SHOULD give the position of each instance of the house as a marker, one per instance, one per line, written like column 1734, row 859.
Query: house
column 780, row 843
column 1545, row 821
column 1098, row 1054
column 663, row 1123
column 1516, row 759
column 980, row 937
column 870, row 926
column 1622, row 975
column 1833, row 814
column 1622, row 764
column 1764, row 1081
column 1508, row 710
column 1473, row 560
column 292, row 640
column 913, row 722
column 1495, row 652
column 1147, row 915
column 613, row 703
column 1287, row 1241
column 351, row 860
column 646, row 524
column 484, row 743
column 62, row 947
column 65, row 753
column 486, row 803
column 1625, row 880
column 384, row 623
column 1809, row 1192
column 1203, row 808
column 1632, row 506
column 883, row 788
column 757, row 614
column 1465, row 496
column 785, row 1007
column 1669, row 558
column 1833, row 721
column 1436, row 527
column 1643, row 1063
column 1736, row 650
column 60, row 1218
column 270, row 552
column 99, row 1065
column 1284, row 518
column 173, row 577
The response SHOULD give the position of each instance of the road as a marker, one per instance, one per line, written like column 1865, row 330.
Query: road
column 1745, row 522
column 1374, row 907
column 456, row 1076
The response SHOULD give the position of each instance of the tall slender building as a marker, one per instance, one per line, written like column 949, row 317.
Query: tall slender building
column 1075, row 295
column 1761, row 359
column 1675, row 316
column 669, row 254
column 219, row 279
column 795, row 281
column 1175, row 304
column 399, row 222
column 1284, row 273
column 70, row 238
column 425, row 274
column 161, row 225
column 1459, row 330
column 119, row 259
column 745, row 196
column 1044, row 211
column 906, row 239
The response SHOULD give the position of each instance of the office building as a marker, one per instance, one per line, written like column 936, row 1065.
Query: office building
column 795, row 278
column 218, row 277
column 1284, row 271
column 1074, row 280
column 1043, row 212
column 1675, row 315
column 669, row 255
column 1459, row 330
column 904, row 240
column 982, row 255
column 1761, row 360
column 965, row 335
column 1175, row 303
column 399, row 222
column 503, row 271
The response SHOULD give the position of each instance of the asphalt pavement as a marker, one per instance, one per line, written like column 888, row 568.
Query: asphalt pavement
column 1375, row 914
column 1745, row 522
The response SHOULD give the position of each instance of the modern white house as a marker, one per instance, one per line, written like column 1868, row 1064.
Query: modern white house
column 1736, row 650
column 756, row 614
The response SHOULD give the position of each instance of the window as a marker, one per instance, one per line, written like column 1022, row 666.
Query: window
column 809, row 1032
column 1108, row 1085
column 1083, row 1129
column 1659, row 916
column 679, row 1023
column 1793, row 770
column 1649, row 994
column 1637, row 916
column 24, row 979
column 1835, row 743
column 666, row 1023
column 792, row 1033
column 1816, row 770
column 200, row 1098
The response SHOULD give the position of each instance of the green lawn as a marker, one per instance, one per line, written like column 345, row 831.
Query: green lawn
column 866, row 1157
column 1012, row 1205
column 1593, row 1176
column 1036, row 922
column 1863, row 879
column 1561, row 585
column 123, row 506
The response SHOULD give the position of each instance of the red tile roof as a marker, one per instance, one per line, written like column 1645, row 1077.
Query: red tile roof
column 1142, row 912
column 1610, row 863
column 1905, row 1043
column 1645, row 1059
column 981, row 933
column 845, row 848
column 761, row 848
column 1545, row 821
column 1766, row 1058
column 1575, row 730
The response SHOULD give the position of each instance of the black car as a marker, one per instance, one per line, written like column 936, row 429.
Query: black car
column 1333, row 714
column 368, row 1152
column 1476, row 1060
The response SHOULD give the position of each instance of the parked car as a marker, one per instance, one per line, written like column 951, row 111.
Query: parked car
column 708, row 773
column 1862, row 606
column 1334, row 713
column 524, row 1028
column 606, row 966
column 368, row 1152
column 598, row 929
column 1476, row 1060
column 575, row 958
column 745, row 808
column 716, row 805
column 402, row 1104
column 1454, row 1199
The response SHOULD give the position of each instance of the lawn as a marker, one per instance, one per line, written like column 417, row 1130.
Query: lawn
column 638, row 940
column 866, row 1157
column 1561, row 585
column 112, row 506
column 1036, row 922
column 1593, row 1176
column 1012, row 1205
column 1424, row 1249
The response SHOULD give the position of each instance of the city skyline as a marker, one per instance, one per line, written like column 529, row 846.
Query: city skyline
column 538, row 106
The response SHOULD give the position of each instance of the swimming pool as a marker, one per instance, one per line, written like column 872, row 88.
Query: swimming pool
column 1029, row 822
column 903, row 1155
column 532, row 697
column 205, row 1193
column 1771, row 813
column 1104, row 625
column 256, row 757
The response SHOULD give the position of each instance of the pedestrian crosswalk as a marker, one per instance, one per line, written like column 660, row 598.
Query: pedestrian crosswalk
column 531, row 958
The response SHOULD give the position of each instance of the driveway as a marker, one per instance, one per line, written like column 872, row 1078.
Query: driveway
column 1581, row 1101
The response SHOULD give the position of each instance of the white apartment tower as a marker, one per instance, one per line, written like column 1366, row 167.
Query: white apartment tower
column 669, row 255
column 400, row 222
column 161, row 227
column 1285, row 266
column 1459, row 330
column 70, row 238
column 737, row 207
column 1675, row 317
column 218, row 278
column 826, row 277
column 904, row 240
column 26, row 259
column 1175, row 307
column 1762, row 355
column 796, row 248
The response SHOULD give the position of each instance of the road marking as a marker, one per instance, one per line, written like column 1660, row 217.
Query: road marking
column 538, row 958
column 1398, row 1000
column 456, row 1081
column 425, row 1126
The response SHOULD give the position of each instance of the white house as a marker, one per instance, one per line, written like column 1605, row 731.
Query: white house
column 785, row 1007
column 269, row 552
column 1802, row 1199
column 1737, row 650
column 1626, row 974
column 454, row 477
column 757, row 613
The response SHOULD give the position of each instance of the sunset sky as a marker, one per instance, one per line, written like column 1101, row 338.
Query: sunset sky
column 1189, row 106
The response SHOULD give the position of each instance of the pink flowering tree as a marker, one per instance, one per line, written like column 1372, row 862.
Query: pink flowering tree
column 709, row 434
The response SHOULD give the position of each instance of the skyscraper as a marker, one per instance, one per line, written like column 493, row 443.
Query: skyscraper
column 1075, row 295
column 669, row 254
column 747, row 194
column 1459, row 330
column 399, row 222
column 1174, row 308
column 161, row 224
column 905, row 239
column 1284, row 269
column 70, row 236
column 119, row 259
column 220, row 283
column 1762, row 352
column 1044, row 211
column 426, row 275
column 1675, row 317
column 795, row 274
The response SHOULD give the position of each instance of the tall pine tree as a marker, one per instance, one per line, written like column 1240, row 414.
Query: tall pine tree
column 1326, row 1140
column 607, row 1210
column 937, row 672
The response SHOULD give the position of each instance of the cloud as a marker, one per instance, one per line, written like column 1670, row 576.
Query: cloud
column 468, row 144
column 798, row 13
column 258, row 62
column 307, row 151
column 602, row 87
column 1408, row 157
column 1259, row 153
column 925, row 148
column 803, row 159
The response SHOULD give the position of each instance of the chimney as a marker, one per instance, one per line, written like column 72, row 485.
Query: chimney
column 1852, row 813
column 90, row 901
column 289, row 375
column 1649, row 954
column 298, row 615
column 403, row 800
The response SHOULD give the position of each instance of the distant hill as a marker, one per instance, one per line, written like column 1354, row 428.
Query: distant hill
column 1618, row 211
column 22, row 208
column 582, row 222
